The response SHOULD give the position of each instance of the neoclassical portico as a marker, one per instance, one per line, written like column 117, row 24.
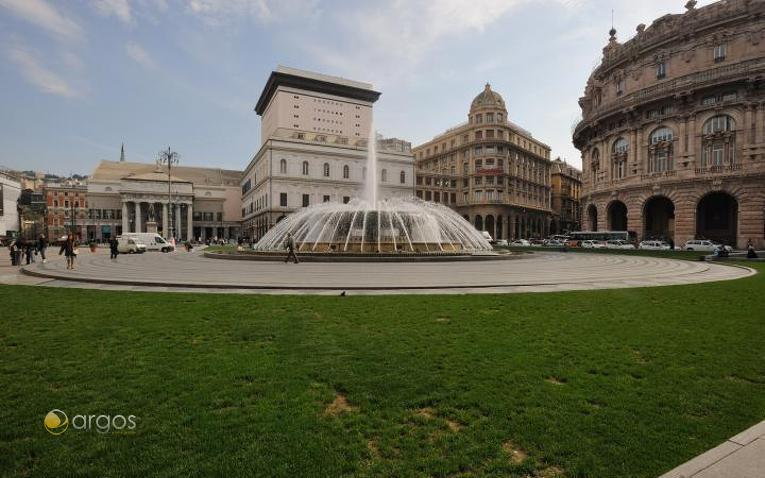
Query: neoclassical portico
column 139, row 212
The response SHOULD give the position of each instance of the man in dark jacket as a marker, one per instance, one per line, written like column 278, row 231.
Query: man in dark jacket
column 290, row 243
column 42, row 245
column 113, row 248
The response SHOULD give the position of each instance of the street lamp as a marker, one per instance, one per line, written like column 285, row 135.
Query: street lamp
column 169, row 158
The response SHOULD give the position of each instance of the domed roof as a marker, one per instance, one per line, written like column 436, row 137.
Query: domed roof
column 487, row 98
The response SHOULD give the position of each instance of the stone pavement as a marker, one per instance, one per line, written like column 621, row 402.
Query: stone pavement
column 540, row 272
column 742, row 456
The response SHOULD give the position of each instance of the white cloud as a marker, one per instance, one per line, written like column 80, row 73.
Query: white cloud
column 221, row 12
column 118, row 8
column 44, row 15
column 38, row 75
column 139, row 54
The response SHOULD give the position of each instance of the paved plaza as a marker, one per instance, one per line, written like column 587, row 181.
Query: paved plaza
column 540, row 272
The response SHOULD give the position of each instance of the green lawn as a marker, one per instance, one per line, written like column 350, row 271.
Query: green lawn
column 614, row 383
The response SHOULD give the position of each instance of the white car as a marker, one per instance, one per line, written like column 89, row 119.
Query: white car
column 619, row 244
column 501, row 243
column 654, row 246
column 520, row 243
column 704, row 245
column 554, row 243
column 128, row 245
column 593, row 244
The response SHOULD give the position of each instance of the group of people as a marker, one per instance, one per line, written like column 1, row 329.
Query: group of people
column 27, row 250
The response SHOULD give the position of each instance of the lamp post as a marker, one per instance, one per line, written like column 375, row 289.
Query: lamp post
column 169, row 158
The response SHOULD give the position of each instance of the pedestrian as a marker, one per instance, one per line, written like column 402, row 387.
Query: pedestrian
column 750, row 252
column 290, row 243
column 70, row 250
column 27, row 248
column 113, row 248
column 12, row 248
column 42, row 245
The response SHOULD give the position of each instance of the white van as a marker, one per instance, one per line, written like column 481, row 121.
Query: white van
column 152, row 241
column 128, row 245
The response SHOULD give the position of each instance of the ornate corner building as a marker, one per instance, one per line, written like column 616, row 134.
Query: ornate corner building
column 490, row 170
column 673, row 129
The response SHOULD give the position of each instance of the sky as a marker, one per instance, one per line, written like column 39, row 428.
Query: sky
column 80, row 77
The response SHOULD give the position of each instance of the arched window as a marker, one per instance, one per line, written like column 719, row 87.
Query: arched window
column 619, row 158
column 660, row 151
column 283, row 166
column 402, row 177
column 326, row 170
column 305, row 168
column 384, row 175
column 346, row 172
column 718, row 142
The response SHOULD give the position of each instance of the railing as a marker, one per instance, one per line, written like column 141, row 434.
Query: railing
column 718, row 169
column 658, row 174
column 694, row 79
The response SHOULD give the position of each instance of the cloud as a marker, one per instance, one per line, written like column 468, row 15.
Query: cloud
column 38, row 75
column 44, row 15
column 138, row 54
column 221, row 12
column 117, row 8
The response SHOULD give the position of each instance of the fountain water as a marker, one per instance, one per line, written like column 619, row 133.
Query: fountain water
column 372, row 225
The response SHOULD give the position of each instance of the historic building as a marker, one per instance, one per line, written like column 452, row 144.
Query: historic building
column 673, row 129
column 566, row 184
column 314, row 135
column 490, row 170
column 192, row 204
column 10, row 190
column 67, row 209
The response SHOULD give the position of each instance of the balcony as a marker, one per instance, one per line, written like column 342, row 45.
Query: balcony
column 658, row 175
column 710, row 170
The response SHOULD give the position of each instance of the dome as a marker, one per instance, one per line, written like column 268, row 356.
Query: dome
column 487, row 99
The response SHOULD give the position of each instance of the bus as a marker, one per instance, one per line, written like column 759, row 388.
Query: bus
column 576, row 238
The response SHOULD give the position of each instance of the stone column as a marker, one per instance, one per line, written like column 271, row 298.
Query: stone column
column 748, row 115
column 138, row 218
column 166, row 220
column 177, row 222
column 636, row 146
column 692, row 139
column 125, row 223
column 189, row 227
column 760, row 137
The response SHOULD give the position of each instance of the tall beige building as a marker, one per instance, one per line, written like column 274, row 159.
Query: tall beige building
column 673, row 129
column 492, row 171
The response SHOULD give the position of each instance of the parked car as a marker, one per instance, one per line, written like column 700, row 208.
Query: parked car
column 619, row 244
column 537, row 242
column 128, row 245
column 593, row 244
column 704, row 245
column 654, row 246
column 554, row 243
column 152, row 241
column 500, row 243
column 520, row 243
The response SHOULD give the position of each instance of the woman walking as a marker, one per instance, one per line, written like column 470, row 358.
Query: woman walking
column 42, row 246
column 69, row 249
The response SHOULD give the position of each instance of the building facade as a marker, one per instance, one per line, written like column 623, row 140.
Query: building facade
column 196, row 204
column 490, row 170
column 673, row 129
column 10, row 190
column 314, row 137
column 566, row 186
column 66, row 209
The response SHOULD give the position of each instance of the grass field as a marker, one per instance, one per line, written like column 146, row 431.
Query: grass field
column 617, row 383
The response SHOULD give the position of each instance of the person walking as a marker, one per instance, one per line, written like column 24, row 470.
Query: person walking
column 291, row 249
column 69, row 249
column 113, row 248
column 42, row 245
column 12, row 248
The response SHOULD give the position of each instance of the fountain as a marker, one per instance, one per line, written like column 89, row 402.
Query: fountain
column 368, row 225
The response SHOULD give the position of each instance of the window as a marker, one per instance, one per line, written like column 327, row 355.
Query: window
column 326, row 170
column 660, row 151
column 245, row 188
column 346, row 199
column 283, row 166
column 402, row 177
column 305, row 168
column 346, row 172
column 621, row 146
column 720, row 52
column 283, row 199
column 595, row 165
column 718, row 144
column 306, row 200
column 619, row 87
column 661, row 70
column 325, row 198
column 384, row 175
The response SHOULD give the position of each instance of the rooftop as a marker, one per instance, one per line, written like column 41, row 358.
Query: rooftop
column 118, row 170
